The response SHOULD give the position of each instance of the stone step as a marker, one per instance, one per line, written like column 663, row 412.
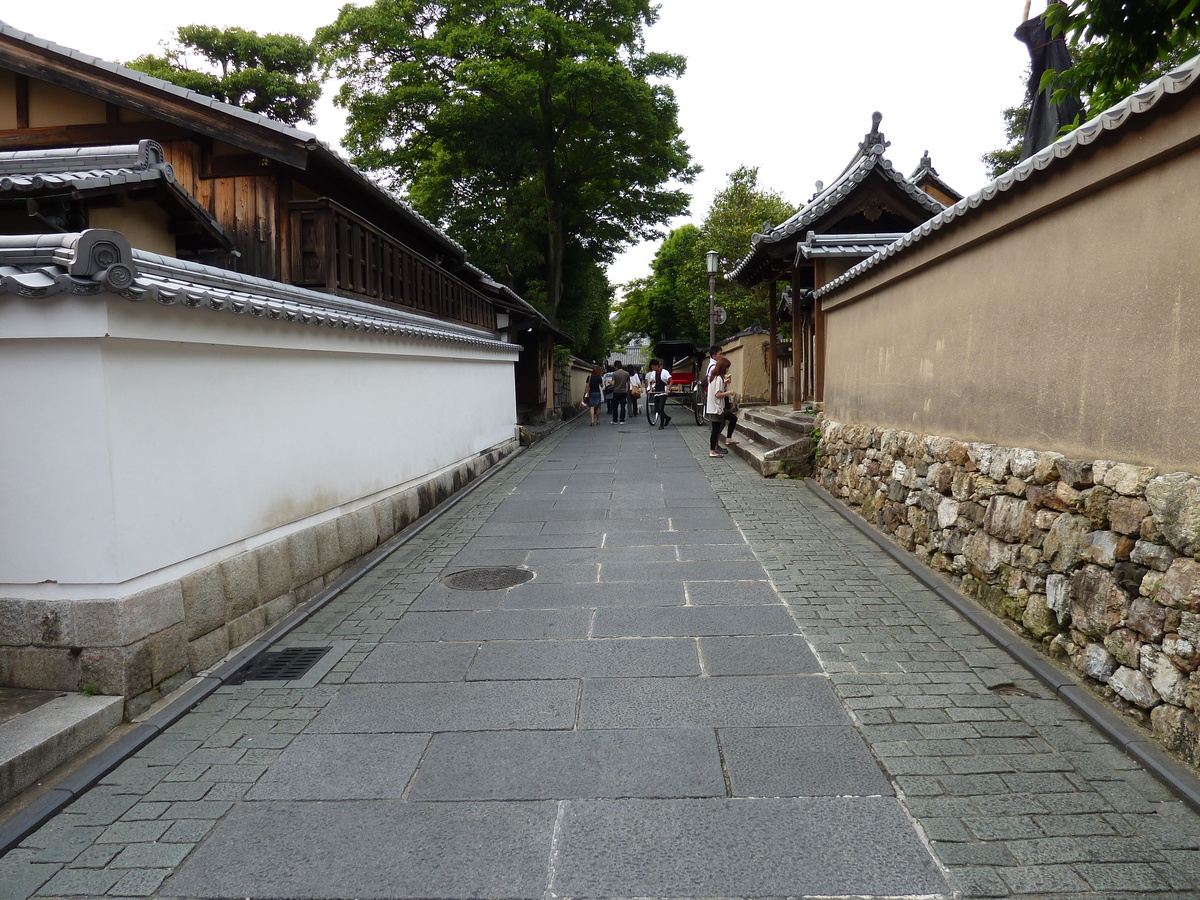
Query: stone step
column 773, row 444
column 42, row 738
column 780, row 418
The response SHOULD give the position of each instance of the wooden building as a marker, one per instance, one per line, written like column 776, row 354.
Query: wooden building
column 235, row 190
column 867, row 207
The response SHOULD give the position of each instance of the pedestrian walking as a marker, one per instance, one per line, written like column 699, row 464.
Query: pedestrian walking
column 714, row 407
column 595, row 393
column 636, row 386
column 659, row 383
column 608, row 389
column 620, row 382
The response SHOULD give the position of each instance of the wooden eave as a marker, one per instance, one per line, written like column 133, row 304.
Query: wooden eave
column 182, row 112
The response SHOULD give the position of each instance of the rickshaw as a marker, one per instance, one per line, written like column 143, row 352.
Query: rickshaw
column 687, row 384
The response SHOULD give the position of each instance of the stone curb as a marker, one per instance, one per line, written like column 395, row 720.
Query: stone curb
column 18, row 827
column 1182, row 782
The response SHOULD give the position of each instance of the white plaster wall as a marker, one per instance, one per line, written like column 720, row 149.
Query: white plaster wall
column 176, row 434
column 55, row 488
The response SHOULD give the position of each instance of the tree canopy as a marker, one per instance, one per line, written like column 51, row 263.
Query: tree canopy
column 1117, row 46
column 672, row 302
column 737, row 211
column 271, row 74
column 1122, row 44
column 541, row 133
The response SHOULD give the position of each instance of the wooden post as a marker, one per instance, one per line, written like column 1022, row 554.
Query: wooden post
column 798, row 350
column 819, row 337
column 772, row 344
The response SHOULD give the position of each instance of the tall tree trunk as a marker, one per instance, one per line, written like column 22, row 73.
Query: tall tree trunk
column 556, row 239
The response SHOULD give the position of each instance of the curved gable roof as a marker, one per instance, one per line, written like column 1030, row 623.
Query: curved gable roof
column 869, row 159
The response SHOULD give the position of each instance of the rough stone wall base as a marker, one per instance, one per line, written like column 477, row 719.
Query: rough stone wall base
column 145, row 645
column 1097, row 560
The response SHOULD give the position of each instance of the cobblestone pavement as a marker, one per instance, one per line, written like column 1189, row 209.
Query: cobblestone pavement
column 642, row 719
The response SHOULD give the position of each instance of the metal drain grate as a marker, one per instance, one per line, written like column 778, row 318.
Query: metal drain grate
column 488, row 578
column 280, row 665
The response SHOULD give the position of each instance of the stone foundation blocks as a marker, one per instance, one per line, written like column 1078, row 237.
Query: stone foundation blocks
column 1097, row 559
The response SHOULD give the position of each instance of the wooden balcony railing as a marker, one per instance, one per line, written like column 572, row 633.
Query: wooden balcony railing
column 334, row 250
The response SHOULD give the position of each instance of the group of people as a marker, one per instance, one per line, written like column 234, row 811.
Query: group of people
column 623, row 386
column 619, row 387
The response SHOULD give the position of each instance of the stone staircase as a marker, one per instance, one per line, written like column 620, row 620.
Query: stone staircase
column 40, row 730
column 775, row 440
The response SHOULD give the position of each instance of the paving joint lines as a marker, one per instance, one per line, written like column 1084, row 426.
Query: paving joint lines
column 1018, row 796
column 14, row 829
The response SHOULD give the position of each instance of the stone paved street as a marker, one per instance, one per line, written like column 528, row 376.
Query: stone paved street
column 714, row 687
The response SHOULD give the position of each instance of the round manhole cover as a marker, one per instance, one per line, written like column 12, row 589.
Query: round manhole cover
column 488, row 578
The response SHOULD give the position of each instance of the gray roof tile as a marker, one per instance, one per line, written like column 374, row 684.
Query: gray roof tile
column 868, row 159
column 36, row 267
column 1112, row 119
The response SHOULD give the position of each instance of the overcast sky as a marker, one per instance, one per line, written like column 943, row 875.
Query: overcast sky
column 785, row 85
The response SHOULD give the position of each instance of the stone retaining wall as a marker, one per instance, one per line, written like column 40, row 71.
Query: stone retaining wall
column 145, row 645
column 1094, row 558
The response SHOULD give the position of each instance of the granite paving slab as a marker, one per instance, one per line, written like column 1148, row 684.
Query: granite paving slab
column 376, row 849
column 815, row 761
column 680, row 621
column 758, row 655
column 738, row 593
column 547, row 765
column 709, row 702
column 390, row 663
column 593, row 595
column 481, row 625
column 640, row 658
column 500, row 705
column 812, row 722
column 741, row 848
column 342, row 767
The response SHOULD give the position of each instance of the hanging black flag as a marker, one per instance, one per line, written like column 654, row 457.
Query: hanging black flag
column 1046, row 118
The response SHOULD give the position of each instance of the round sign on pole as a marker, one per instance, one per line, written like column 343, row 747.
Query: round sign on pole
column 719, row 315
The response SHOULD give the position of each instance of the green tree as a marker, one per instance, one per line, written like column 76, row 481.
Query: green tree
column 271, row 74
column 1120, row 45
column 672, row 303
column 534, row 130
column 1000, row 161
column 737, row 211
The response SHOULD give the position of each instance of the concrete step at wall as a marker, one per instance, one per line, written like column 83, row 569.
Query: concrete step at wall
column 779, row 418
column 42, row 739
column 774, row 444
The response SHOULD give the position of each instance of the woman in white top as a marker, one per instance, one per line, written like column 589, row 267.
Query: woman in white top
column 714, row 406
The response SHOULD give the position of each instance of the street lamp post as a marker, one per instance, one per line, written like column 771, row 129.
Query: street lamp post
column 711, row 258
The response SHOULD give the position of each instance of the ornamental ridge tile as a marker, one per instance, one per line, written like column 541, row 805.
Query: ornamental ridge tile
column 1112, row 119
column 870, row 157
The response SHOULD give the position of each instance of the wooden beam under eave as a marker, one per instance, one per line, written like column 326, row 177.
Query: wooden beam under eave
column 110, row 87
column 57, row 136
